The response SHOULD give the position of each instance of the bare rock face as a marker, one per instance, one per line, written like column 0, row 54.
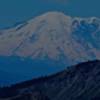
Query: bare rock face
column 54, row 36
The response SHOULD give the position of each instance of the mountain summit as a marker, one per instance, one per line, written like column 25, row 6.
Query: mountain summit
column 53, row 36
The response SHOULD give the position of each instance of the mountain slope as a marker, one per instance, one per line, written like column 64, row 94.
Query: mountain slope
column 53, row 36
column 80, row 82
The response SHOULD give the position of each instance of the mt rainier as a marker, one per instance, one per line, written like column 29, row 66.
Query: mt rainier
column 55, row 36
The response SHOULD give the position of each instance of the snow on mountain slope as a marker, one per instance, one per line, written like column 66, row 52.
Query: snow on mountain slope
column 55, row 36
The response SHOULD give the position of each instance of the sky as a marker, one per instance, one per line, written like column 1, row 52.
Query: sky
column 14, row 11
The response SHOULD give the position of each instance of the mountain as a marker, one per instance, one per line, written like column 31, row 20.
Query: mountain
column 53, row 36
column 79, row 82
column 47, row 44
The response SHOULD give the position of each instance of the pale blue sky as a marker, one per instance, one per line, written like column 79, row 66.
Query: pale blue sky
column 12, row 11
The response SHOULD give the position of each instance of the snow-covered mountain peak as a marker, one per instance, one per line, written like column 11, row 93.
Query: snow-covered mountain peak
column 55, row 36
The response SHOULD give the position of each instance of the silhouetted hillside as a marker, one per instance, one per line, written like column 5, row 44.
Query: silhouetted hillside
column 80, row 82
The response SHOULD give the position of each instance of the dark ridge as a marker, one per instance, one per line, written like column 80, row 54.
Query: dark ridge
column 71, row 80
column 46, row 78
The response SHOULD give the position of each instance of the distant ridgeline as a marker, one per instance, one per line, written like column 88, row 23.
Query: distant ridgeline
column 79, row 82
